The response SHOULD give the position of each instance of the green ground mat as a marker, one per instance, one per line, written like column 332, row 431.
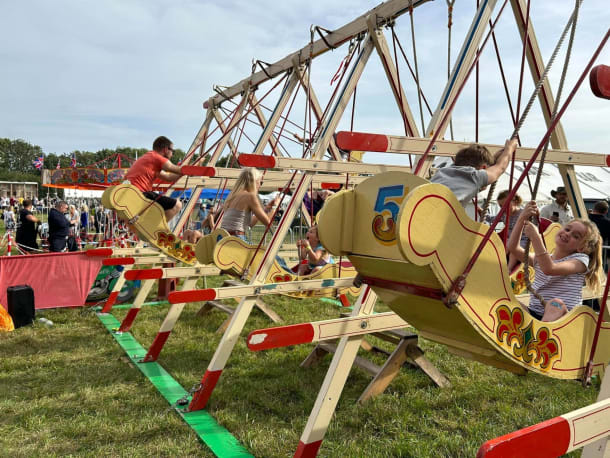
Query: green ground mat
column 217, row 438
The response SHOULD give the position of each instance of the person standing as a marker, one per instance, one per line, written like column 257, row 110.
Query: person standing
column 59, row 227
column 559, row 210
column 156, row 164
column 599, row 215
column 26, row 233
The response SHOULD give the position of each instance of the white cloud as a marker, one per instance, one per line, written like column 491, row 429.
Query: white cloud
column 88, row 75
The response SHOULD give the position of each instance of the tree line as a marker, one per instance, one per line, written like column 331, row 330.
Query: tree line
column 17, row 159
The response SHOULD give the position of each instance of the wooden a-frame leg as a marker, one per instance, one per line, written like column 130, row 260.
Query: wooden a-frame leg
column 416, row 356
column 145, row 287
column 406, row 350
column 267, row 311
column 600, row 448
column 333, row 384
column 168, row 324
column 116, row 289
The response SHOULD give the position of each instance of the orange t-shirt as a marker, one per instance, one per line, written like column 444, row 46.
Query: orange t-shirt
column 145, row 170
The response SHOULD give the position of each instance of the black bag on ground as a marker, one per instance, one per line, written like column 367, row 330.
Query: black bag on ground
column 20, row 301
column 71, row 244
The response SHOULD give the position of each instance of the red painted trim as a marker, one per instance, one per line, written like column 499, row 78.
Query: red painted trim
column 118, row 261
column 195, row 295
column 198, row 171
column 282, row 336
column 257, row 160
column 331, row 186
column 110, row 301
column 128, row 320
column 144, row 274
column 550, row 438
column 360, row 141
column 307, row 450
column 404, row 287
column 599, row 79
column 156, row 347
column 202, row 395
column 344, row 300
column 99, row 252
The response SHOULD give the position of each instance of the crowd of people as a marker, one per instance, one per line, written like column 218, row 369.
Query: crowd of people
column 54, row 224
column 559, row 275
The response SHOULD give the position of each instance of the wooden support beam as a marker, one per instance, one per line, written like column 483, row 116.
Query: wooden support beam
column 463, row 62
column 273, row 181
column 381, row 46
column 547, row 102
column 383, row 12
column 555, row 437
column 267, row 134
column 317, row 110
column 173, row 272
column 232, row 292
column 319, row 165
column 318, row 331
column 406, row 145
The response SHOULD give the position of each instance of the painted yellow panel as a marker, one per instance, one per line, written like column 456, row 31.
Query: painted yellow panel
column 238, row 258
column 147, row 218
column 435, row 239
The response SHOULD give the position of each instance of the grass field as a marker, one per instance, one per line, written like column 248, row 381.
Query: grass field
column 69, row 390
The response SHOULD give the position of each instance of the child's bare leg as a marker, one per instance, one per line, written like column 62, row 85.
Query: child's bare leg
column 303, row 269
column 554, row 309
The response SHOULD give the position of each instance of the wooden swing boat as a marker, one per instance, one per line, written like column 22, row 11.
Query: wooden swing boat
column 147, row 218
column 234, row 256
column 409, row 240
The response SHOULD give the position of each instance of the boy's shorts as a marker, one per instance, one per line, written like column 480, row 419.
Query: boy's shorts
column 166, row 202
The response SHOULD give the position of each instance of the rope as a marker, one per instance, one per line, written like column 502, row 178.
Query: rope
column 459, row 283
column 566, row 63
column 421, row 111
column 400, row 92
column 535, row 94
column 449, row 109
column 449, row 24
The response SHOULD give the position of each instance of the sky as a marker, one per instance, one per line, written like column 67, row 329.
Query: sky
column 85, row 75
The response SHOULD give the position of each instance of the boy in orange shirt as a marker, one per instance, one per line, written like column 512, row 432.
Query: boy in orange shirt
column 156, row 164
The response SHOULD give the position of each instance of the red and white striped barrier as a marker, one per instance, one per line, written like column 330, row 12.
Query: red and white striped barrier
column 9, row 244
column 554, row 437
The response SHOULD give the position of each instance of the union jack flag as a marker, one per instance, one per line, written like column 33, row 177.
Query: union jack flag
column 39, row 162
column 73, row 161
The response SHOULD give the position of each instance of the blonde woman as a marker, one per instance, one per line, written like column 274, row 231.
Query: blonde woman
column 242, row 209
column 74, row 218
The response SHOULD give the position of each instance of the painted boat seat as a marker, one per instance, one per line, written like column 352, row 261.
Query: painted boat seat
column 147, row 218
column 410, row 239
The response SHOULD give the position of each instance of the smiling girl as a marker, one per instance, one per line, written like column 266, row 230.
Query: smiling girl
column 560, row 275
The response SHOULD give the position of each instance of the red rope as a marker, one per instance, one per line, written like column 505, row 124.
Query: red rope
column 459, row 91
column 458, row 285
column 525, row 43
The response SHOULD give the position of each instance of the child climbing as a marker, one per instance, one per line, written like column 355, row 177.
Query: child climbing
column 559, row 276
column 315, row 257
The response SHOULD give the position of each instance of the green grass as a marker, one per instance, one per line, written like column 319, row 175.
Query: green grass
column 69, row 390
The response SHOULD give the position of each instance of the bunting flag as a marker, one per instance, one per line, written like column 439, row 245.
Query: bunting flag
column 73, row 161
column 39, row 162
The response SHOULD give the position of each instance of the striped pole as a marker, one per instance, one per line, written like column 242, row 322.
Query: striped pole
column 168, row 324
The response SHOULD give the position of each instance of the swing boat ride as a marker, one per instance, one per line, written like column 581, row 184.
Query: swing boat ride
column 410, row 242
